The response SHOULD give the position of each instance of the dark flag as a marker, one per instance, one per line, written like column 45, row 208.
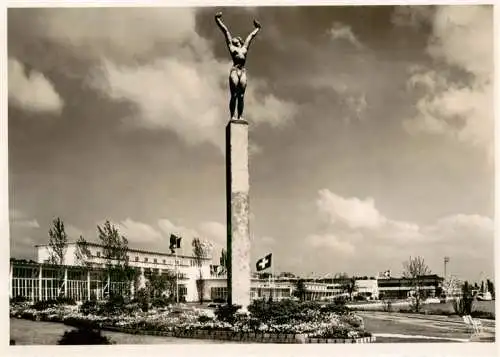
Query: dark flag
column 264, row 263
column 175, row 243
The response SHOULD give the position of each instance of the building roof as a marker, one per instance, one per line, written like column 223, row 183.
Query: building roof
column 132, row 250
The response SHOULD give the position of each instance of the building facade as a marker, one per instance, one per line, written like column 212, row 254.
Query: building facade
column 82, row 280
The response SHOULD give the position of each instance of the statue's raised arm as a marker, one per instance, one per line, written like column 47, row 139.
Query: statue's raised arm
column 252, row 34
column 223, row 28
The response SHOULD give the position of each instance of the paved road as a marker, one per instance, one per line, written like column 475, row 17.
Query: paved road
column 390, row 327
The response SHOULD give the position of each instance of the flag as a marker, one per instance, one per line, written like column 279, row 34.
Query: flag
column 175, row 243
column 264, row 263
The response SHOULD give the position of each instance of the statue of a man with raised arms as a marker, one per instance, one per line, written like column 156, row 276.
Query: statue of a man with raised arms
column 237, row 76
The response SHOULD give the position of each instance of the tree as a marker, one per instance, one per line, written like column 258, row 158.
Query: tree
column 350, row 287
column 157, row 285
column 82, row 252
column 115, row 253
column 490, row 286
column 200, row 253
column 300, row 290
column 414, row 269
column 223, row 262
column 58, row 242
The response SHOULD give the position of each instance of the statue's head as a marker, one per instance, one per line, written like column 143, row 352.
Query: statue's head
column 237, row 41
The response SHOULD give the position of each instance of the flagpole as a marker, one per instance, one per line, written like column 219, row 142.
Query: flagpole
column 272, row 276
column 176, row 276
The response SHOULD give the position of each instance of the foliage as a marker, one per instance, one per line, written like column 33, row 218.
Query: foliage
column 18, row 299
column 143, row 299
column 204, row 318
column 84, row 336
column 82, row 252
column 227, row 313
column 158, row 285
column 490, row 286
column 115, row 253
column 201, row 250
column 387, row 305
column 300, row 290
column 89, row 307
column 483, row 315
column 223, row 261
column 414, row 269
column 45, row 304
column 349, row 287
column 58, row 241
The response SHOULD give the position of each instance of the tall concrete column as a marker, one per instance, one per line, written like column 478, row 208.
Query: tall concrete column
column 237, row 203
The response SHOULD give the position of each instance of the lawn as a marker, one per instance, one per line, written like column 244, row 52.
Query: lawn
column 26, row 332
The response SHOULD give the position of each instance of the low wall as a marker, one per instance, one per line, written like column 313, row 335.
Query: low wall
column 251, row 337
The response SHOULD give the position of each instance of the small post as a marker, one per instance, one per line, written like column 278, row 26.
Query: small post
column 40, row 290
column 176, row 277
column 66, row 282
column 88, row 284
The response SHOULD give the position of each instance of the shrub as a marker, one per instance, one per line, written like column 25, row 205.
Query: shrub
column 44, row 304
column 62, row 300
column 278, row 311
column 463, row 306
column 89, row 307
column 204, row 318
column 18, row 299
column 387, row 306
column 84, row 336
column 227, row 313
column 161, row 302
column 335, row 308
column 483, row 315
column 143, row 299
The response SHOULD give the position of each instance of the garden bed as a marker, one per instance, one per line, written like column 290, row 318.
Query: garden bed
column 283, row 322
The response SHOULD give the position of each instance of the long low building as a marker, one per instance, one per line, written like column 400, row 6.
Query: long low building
column 83, row 279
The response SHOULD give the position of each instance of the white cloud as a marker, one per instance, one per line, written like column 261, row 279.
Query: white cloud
column 20, row 219
column 73, row 232
column 31, row 90
column 33, row 223
column 168, row 227
column 341, row 31
column 332, row 242
column 188, row 96
column 412, row 15
column 462, row 38
column 138, row 232
column 118, row 34
column 357, row 225
column 352, row 212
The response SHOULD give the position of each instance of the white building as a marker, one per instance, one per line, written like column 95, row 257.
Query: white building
column 155, row 262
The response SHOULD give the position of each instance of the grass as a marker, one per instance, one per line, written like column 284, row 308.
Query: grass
column 25, row 332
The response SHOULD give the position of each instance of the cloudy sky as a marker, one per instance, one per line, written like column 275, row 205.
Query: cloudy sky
column 371, row 131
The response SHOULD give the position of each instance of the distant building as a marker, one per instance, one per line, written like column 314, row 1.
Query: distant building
column 402, row 288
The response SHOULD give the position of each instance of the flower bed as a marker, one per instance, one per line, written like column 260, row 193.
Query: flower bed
column 288, row 323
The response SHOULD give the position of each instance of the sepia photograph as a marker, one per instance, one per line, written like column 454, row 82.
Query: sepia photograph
column 251, row 175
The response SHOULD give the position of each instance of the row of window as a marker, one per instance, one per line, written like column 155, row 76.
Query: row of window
column 155, row 260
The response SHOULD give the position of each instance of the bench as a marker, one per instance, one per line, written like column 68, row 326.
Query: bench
column 474, row 325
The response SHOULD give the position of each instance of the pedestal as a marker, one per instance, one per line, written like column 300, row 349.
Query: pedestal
column 237, row 200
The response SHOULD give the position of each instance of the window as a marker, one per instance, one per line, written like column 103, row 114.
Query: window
column 164, row 261
column 127, row 258
column 136, row 259
column 98, row 254
column 155, row 261
column 145, row 259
